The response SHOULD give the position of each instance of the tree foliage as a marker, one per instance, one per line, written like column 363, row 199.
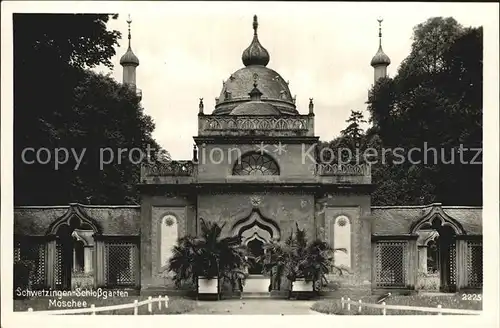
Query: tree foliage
column 433, row 102
column 59, row 102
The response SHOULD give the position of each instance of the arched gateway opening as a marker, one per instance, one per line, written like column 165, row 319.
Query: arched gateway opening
column 73, row 252
column 256, row 250
column 437, row 254
column 255, row 231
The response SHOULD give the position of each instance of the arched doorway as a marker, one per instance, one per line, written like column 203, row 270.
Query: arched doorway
column 437, row 268
column 255, row 231
column 71, row 260
column 255, row 247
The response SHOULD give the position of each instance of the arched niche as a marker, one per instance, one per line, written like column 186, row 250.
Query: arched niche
column 73, row 219
column 255, row 220
column 438, row 220
column 168, row 239
column 342, row 239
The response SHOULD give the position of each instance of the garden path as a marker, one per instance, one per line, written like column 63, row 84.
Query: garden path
column 254, row 306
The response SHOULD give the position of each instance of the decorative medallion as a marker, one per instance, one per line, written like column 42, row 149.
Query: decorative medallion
column 321, row 233
column 303, row 203
column 255, row 200
column 169, row 221
column 342, row 222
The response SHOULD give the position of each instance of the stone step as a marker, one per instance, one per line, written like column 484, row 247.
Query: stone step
column 255, row 295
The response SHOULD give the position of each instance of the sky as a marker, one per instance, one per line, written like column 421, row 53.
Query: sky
column 324, row 49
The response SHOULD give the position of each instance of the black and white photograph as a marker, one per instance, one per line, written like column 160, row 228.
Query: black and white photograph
column 202, row 159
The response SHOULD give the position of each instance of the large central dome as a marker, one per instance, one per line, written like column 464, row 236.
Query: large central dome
column 274, row 88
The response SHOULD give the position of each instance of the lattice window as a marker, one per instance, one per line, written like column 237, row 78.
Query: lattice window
column 475, row 264
column 58, row 265
column 34, row 253
column 391, row 263
column 17, row 253
column 452, row 264
column 256, row 164
column 120, row 264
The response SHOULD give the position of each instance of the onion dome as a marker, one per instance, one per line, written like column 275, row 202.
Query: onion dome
column 380, row 58
column 129, row 58
column 273, row 87
column 255, row 54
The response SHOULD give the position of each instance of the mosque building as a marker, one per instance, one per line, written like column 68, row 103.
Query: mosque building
column 253, row 169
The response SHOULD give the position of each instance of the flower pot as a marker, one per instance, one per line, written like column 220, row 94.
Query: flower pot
column 208, row 286
column 301, row 285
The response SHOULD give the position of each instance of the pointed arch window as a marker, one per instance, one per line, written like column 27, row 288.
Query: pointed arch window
column 256, row 164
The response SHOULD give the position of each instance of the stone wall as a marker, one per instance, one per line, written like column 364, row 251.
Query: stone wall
column 354, row 208
column 153, row 210
column 285, row 209
column 215, row 165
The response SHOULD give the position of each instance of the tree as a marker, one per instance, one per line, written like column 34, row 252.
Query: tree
column 59, row 103
column 348, row 144
column 431, row 40
column 434, row 101
column 353, row 130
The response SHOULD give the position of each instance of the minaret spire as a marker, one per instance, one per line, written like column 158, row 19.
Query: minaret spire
column 380, row 61
column 129, row 61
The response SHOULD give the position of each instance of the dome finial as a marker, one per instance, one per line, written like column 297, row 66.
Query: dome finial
column 255, row 54
column 129, row 21
column 380, row 20
column 255, row 24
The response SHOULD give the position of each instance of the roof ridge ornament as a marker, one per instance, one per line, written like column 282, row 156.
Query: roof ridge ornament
column 255, row 94
column 255, row 54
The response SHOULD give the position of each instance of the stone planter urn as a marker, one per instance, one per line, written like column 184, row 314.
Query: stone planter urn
column 208, row 285
column 301, row 285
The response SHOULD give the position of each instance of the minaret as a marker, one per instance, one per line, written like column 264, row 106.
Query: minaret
column 129, row 61
column 380, row 61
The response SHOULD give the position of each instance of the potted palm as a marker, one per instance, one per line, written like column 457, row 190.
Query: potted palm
column 207, row 259
column 301, row 262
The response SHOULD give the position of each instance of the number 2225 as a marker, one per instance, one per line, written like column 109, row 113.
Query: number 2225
column 472, row 297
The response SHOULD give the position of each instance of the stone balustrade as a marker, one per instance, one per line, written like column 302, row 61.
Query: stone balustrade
column 171, row 168
column 293, row 125
column 343, row 169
